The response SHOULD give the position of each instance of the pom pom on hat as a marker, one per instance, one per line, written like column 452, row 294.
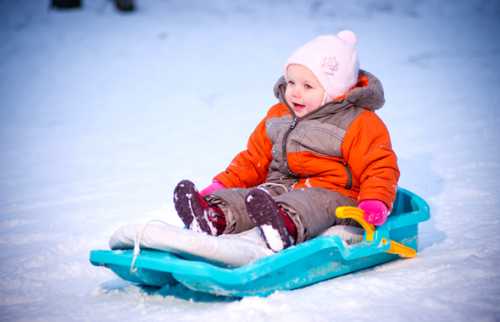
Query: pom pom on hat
column 333, row 59
column 348, row 36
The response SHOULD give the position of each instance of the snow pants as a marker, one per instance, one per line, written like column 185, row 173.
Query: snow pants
column 311, row 209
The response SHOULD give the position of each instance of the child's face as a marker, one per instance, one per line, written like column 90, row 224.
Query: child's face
column 304, row 92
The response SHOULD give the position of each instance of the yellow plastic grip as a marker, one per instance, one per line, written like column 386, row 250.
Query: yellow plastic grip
column 358, row 215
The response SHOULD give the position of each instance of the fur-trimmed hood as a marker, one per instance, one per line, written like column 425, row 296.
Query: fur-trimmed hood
column 368, row 94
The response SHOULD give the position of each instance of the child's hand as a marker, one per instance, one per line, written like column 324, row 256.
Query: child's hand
column 375, row 211
column 213, row 187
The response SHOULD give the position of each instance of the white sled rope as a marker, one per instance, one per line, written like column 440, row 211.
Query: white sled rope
column 231, row 249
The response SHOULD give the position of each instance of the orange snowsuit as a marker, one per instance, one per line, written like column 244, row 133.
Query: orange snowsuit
column 343, row 146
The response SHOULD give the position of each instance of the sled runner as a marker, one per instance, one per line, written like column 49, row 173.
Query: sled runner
column 319, row 259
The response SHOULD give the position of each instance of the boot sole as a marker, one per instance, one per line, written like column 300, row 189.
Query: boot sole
column 188, row 207
column 264, row 213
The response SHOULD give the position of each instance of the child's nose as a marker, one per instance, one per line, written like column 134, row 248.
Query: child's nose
column 297, row 92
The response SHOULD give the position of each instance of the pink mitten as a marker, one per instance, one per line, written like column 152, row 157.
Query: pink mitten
column 213, row 187
column 375, row 211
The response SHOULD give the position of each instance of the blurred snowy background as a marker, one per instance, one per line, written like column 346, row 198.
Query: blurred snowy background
column 102, row 113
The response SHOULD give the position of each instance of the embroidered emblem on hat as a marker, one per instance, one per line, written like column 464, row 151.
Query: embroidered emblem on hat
column 329, row 65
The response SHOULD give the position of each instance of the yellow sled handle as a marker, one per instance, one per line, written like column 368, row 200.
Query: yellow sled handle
column 358, row 215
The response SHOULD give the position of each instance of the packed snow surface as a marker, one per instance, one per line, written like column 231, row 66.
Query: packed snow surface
column 103, row 113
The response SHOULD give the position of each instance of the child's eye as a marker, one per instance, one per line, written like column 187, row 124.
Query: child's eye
column 290, row 82
column 307, row 86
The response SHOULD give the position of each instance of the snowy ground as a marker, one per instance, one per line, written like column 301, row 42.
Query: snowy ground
column 102, row 113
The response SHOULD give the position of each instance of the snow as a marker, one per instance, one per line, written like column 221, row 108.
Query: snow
column 103, row 113
column 273, row 237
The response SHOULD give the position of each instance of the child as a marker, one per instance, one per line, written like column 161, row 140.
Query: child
column 322, row 146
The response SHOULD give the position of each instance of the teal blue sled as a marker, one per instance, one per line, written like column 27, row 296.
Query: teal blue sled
column 316, row 260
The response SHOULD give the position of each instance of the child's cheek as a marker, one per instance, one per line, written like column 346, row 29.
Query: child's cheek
column 312, row 104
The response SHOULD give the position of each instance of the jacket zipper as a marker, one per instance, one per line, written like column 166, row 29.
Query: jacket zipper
column 292, row 126
column 283, row 146
column 348, row 184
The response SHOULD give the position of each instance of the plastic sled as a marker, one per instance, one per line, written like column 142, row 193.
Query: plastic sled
column 310, row 262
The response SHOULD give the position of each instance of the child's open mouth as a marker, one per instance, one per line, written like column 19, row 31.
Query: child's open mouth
column 298, row 107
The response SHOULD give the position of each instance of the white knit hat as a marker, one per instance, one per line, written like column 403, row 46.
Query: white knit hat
column 333, row 59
